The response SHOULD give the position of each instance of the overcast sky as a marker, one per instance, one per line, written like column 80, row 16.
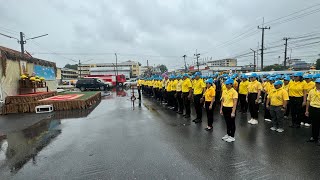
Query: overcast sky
column 158, row 30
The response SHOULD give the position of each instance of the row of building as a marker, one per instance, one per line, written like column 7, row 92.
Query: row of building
column 133, row 69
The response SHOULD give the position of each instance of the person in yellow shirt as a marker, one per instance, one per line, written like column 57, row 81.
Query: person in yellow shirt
column 268, row 88
column 179, row 94
column 286, row 81
column 277, row 97
column 186, row 88
column 209, row 99
column 198, row 90
column 228, row 108
column 169, row 93
column 297, row 95
column 164, row 86
column 243, row 92
column 174, row 91
column 313, row 111
column 254, row 92
column 308, row 86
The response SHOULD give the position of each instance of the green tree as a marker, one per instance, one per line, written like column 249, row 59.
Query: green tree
column 318, row 64
column 71, row 66
column 163, row 68
column 275, row 67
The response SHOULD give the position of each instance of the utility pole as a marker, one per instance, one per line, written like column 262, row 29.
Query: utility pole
column 262, row 43
column 257, row 67
column 285, row 51
column 185, row 64
column 254, row 60
column 79, row 65
column 21, row 41
column 197, row 55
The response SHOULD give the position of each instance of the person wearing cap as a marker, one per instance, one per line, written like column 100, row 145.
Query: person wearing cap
column 277, row 98
column 198, row 90
column 164, row 85
column 186, row 88
column 174, row 91
column 313, row 111
column 228, row 109
column 309, row 85
column 268, row 88
column 169, row 93
column 209, row 99
column 286, row 81
column 178, row 95
column 297, row 95
column 254, row 92
column 243, row 92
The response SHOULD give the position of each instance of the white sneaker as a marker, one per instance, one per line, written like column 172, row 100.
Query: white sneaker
column 269, row 120
column 273, row 128
column 307, row 124
column 254, row 122
column 225, row 137
column 230, row 139
column 302, row 123
column 250, row 121
column 280, row 130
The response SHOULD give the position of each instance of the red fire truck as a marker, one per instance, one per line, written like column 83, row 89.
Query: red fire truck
column 115, row 80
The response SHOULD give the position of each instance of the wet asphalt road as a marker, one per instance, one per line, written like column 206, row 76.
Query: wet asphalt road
column 116, row 141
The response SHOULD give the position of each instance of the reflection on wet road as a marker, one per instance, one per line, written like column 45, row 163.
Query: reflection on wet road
column 116, row 141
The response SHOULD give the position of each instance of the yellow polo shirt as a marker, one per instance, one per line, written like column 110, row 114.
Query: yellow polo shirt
column 278, row 96
column 174, row 85
column 269, row 88
column 179, row 85
column 223, row 87
column 235, row 84
column 209, row 94
column 309, row 86
column 186, row 85
column 296, row 88
column 314, row 98
column 228, row 96
column 243, row 87
column 198, row 86
column 254, row 87
column 286, row 87
column 169, row 87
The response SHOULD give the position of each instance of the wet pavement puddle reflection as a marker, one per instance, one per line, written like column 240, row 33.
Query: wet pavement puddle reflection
column 21, row 146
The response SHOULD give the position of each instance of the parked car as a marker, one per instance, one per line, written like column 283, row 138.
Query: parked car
column 131, row 82
column 92, row 84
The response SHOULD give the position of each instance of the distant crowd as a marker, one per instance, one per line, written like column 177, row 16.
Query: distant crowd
column 297, row 95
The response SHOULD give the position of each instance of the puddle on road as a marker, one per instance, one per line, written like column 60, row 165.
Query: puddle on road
column 20, row 147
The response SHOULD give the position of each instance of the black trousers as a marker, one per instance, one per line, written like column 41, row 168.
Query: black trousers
column 198, row 105
column 243, row 102
column 174, row 101
column 314, row 114
column 170, row 98
column 267, row 114
column 297, row 111
column 305, row 119
column 253, row 107
column 230, row 121
column 180, row 101
column 186, row 102
column 209, row 112
column 288, row 109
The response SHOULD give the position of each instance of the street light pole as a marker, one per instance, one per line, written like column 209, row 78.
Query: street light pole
column 254, row 60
